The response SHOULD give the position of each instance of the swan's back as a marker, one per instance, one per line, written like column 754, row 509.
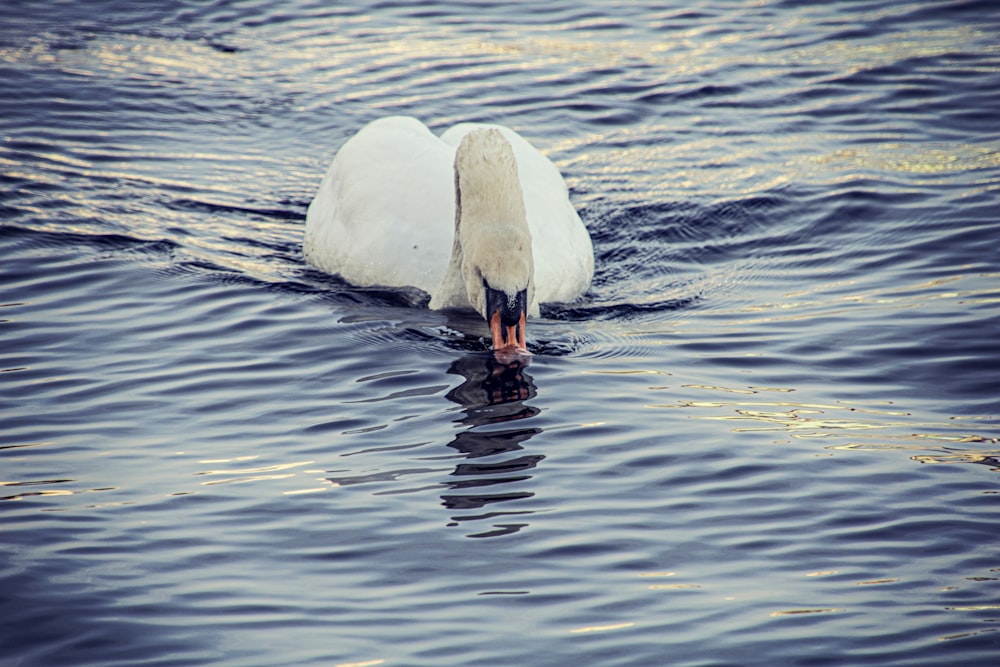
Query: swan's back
column 385, row 211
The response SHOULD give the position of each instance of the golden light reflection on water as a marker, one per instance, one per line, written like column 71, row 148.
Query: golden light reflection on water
column 978, row 607
column 243, row 475
column 761, row 595
column 857, row 427
column 601, row 628
column 877, row 582
column 842, row 298
column 363, row 663
column 908, row 158
column 126, row 55
column 29, row 494
column 302, row 492
column 793, row 422
column 30, row 491
column 965, row 635
column 673, row 587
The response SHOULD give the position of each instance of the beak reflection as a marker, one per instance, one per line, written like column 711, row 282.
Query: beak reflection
column 495, row 386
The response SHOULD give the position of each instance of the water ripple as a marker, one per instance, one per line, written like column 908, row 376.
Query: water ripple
column 767, row 434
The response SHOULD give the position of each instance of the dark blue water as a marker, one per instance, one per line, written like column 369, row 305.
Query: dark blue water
column 767, row 435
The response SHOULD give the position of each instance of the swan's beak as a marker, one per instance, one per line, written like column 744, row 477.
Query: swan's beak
column 507, row 315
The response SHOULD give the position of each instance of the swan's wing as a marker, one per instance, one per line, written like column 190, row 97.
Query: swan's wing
column 562, row 249
column 385, row 211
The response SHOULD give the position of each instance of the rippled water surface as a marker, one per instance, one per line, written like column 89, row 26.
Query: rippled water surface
column 767, row 435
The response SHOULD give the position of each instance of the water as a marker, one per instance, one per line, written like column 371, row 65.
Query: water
column 767, row 435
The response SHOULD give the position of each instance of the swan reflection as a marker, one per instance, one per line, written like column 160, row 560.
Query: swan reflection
column 493, row 392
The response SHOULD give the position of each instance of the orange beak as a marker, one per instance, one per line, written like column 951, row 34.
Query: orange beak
column 508, row 339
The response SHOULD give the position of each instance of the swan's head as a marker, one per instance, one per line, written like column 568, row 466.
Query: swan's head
column 492, row 228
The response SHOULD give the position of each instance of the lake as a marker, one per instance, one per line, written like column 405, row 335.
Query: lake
column 769, row 434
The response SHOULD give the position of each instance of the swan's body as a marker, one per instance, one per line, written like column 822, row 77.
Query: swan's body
column 385, row 214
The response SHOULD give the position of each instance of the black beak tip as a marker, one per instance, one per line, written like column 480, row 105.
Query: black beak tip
column 512, row 307
column 506, row 314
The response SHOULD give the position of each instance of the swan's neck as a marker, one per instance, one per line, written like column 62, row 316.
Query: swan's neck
column 492, row 243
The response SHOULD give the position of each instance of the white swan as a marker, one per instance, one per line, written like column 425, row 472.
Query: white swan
column 477, row 218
